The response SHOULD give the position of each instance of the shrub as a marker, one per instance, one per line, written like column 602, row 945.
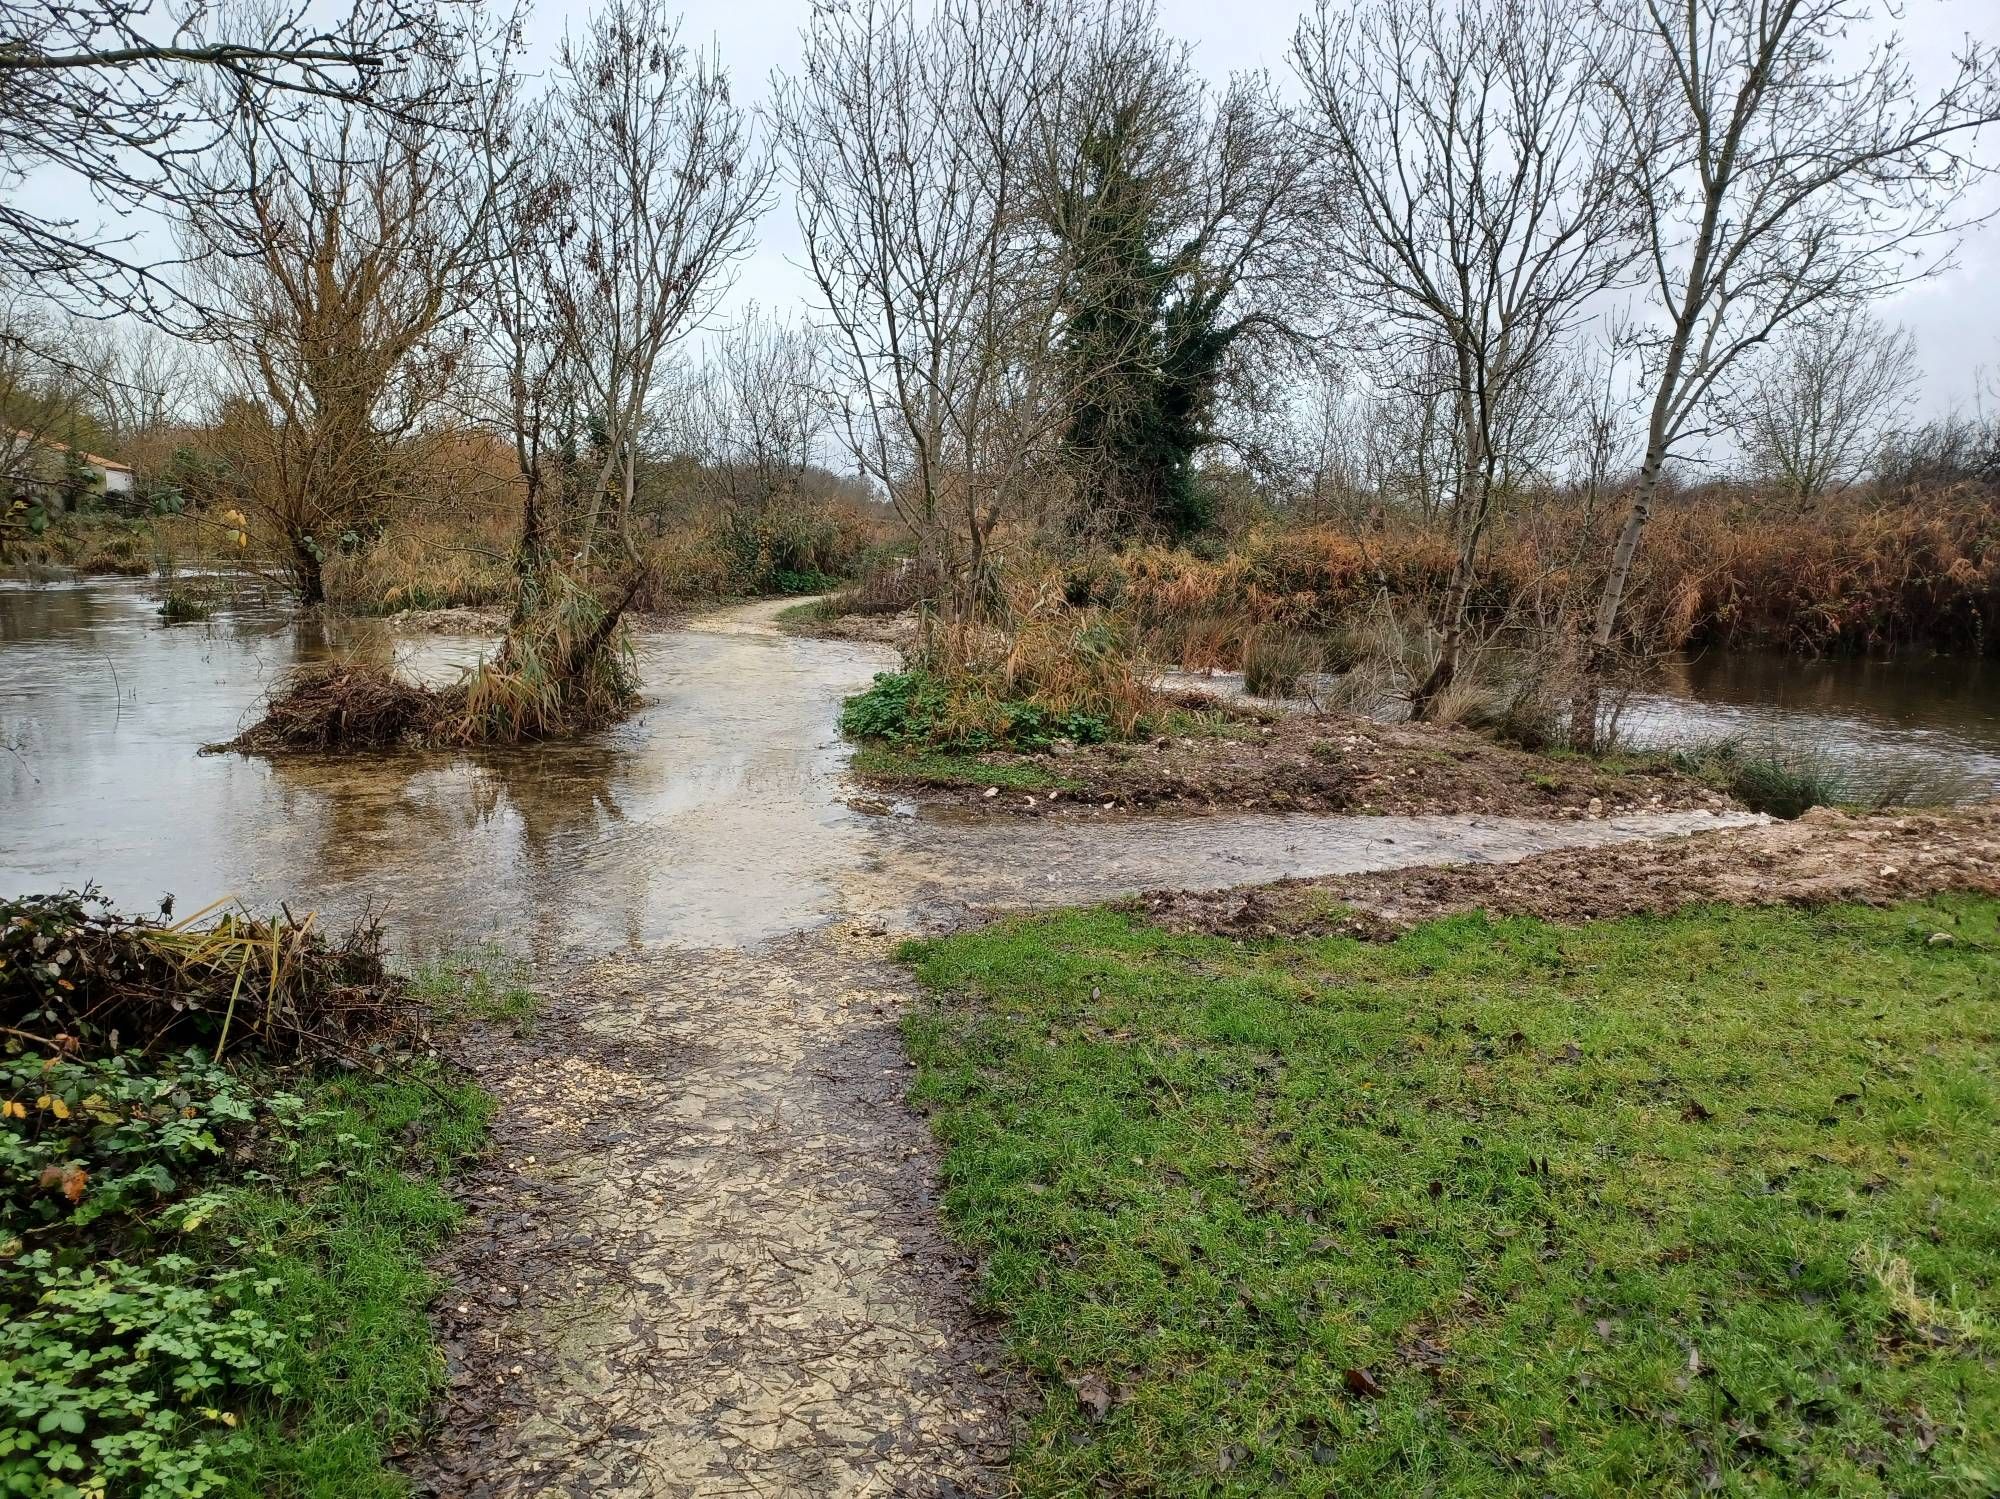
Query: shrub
column 899, row 707
column 918, row 710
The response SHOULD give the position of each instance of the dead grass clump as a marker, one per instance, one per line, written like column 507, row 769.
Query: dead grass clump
column 426, row 565
column 1078, row 661
column 344, row 705
column 80, row 978
column 1277, row 661
column 565, row 669
column 889, row 585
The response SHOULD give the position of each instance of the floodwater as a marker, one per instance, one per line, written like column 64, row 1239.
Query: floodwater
column 1925, row 725
column 714, row 817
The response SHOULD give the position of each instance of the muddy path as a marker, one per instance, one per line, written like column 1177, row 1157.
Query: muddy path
column 704, row 1257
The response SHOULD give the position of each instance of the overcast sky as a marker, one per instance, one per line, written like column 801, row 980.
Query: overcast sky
column 1954, row 316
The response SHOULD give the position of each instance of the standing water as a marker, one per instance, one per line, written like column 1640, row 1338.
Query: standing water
column 713, row 817
column 1919, row 726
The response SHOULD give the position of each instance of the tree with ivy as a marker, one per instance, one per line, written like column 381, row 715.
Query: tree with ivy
column 1169, row 209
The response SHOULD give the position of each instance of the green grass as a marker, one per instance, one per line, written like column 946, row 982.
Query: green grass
column 480, row 983
column 803, row 616
column 945, row 768
column 344, row 1230
column 1212, row 723
column 1648, row 1206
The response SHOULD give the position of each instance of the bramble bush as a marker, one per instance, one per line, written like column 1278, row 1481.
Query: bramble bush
column 918, row 710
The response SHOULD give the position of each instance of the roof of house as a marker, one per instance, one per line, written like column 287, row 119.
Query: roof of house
column 62, row 447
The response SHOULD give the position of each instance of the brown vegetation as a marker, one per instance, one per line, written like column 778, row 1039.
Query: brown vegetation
column 81, row 979
column 1847, row 576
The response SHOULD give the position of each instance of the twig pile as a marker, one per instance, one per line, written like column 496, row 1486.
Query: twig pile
column 348, row 706
column 80, row 978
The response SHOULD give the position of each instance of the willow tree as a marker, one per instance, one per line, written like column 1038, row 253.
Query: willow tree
column 333, row 260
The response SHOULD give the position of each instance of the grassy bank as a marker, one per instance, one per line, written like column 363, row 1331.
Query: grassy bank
column 213, row 1273
column 1654, row 1205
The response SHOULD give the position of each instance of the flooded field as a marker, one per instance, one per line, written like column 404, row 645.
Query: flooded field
column 713, row 818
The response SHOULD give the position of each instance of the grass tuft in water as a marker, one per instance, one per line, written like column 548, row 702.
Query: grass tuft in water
column 483, row 983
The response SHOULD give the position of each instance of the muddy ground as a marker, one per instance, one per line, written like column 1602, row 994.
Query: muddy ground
column 1825, row 856
column 703, row 1257
column 1301, row 763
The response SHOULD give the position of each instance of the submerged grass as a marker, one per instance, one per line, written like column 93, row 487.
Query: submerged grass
column 1654, row 1205
column 1790, row 781
column 944, row 768
column 482, row 983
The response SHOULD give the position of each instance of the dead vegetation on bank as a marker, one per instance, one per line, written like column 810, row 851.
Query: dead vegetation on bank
column 1824, row 857
column 81, row 979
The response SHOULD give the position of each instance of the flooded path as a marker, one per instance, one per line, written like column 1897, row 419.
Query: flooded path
column 712, row 818
column 704, row 1257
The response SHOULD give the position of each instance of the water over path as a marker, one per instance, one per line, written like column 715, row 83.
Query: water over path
column 713, row 818
column 704, row 1258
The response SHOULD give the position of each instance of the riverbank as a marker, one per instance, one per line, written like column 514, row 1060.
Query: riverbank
column 1824, row 857
column 1702, row 1201
column 216, row 1220
column 1206, row 759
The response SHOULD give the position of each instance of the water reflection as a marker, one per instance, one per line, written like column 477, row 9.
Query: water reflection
column 707, row 815
column 1933, row 719
column 713, row 817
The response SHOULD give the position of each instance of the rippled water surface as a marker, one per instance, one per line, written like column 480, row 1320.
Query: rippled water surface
column 1929, row 723
column 713, row 817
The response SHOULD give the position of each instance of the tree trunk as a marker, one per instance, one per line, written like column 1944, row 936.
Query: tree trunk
column 1587, row 704
column 307, row 571
column 531, row 554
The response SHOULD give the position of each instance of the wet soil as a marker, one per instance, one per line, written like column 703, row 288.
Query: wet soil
column 1328, row 763
column 1825, row 856
column 704, row 1257
column 898, row 630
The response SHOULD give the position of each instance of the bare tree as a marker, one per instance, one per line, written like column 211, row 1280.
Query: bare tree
column 124, row 102
column 1472, row 214
column 754, row 413
column 661, row 183
column 139, row 379
column 1771, row 180
column 906, row 139
column 522, row 346
column 335, row 285
column 1812, row 409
